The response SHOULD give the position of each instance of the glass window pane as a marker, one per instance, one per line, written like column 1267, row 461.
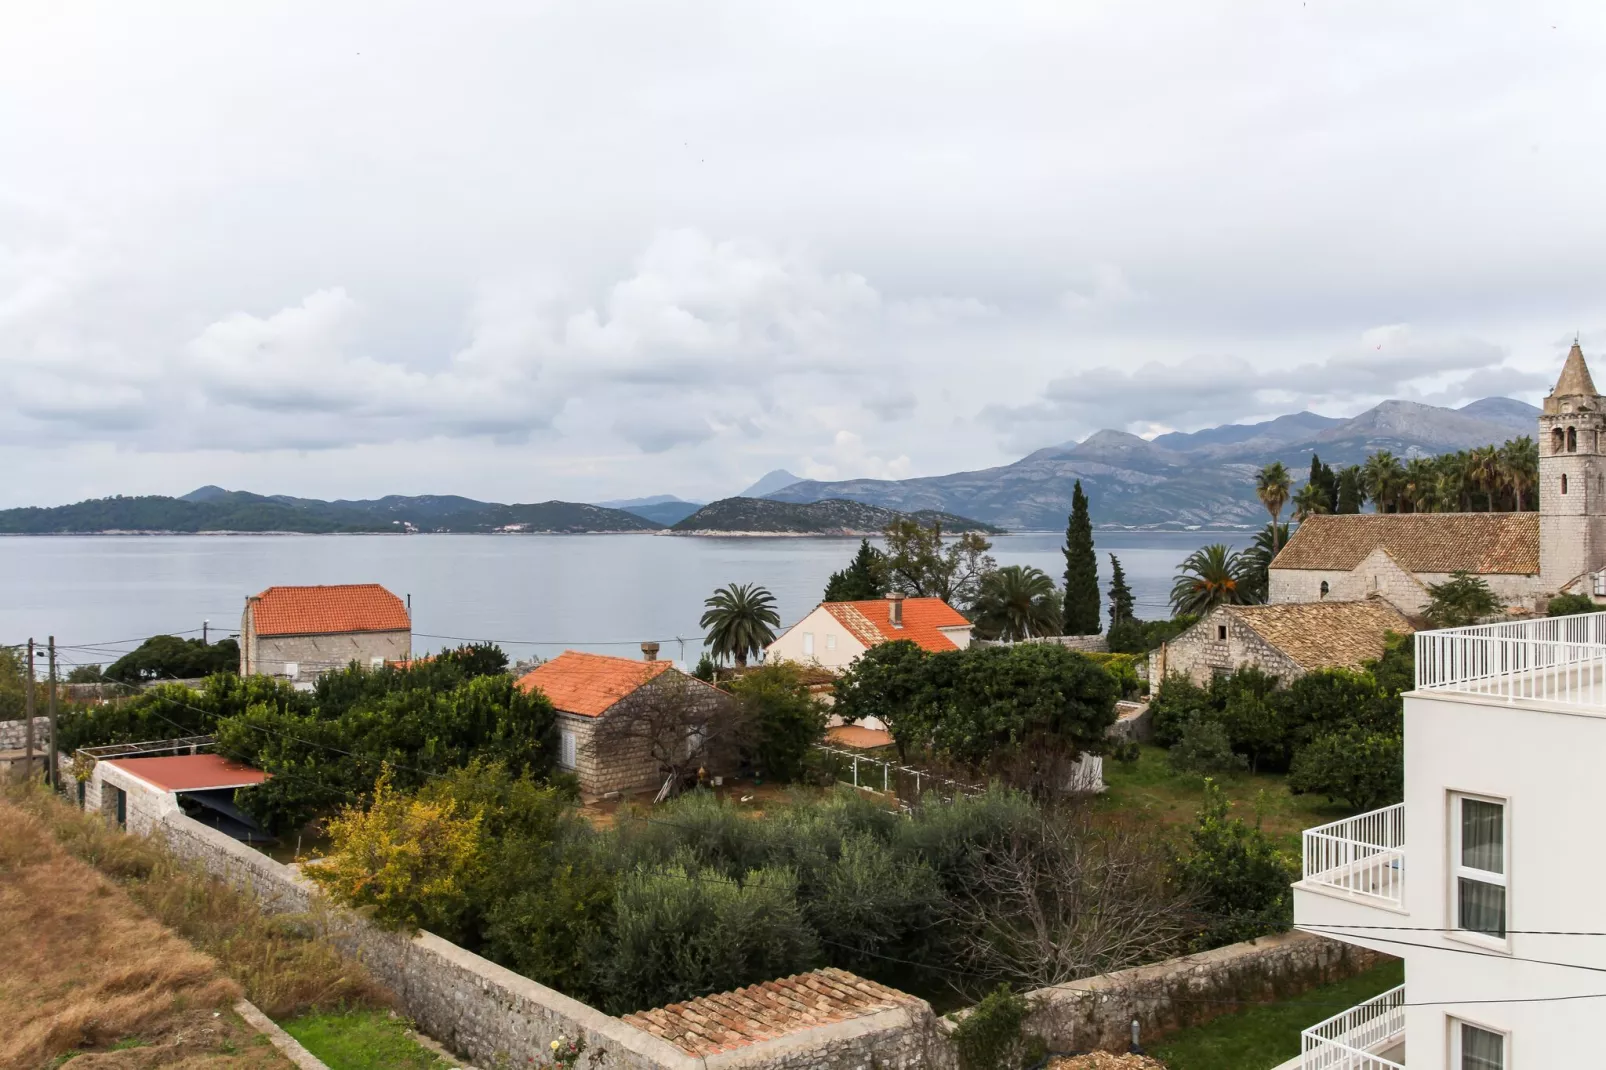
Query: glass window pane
column 1482, row 908
column 1481, row 1049
column 1483, row 835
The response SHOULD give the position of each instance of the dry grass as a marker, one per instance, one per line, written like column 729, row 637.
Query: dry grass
column 84, row 968
column 278, row 960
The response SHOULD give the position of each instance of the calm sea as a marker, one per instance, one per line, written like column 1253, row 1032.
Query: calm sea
column 534, row 594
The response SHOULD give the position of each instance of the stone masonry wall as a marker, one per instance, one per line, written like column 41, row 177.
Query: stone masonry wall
column 1097, row 1012
column 14, row 733
column 494, row 1016
column 312, row 655
column 1199, row 653
column 626, row 767
column 1087, row 644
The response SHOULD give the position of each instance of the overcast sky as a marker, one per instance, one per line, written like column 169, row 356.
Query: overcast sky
column 593, row 249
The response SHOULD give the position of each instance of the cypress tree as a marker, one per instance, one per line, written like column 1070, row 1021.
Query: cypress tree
column 862, row 580
column 1120, row 593
column 1081, row 570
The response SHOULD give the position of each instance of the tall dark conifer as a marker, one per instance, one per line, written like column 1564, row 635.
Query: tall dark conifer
column 864, row 579
column 1350, row 495
column 1120, row 594
column 1081, row 570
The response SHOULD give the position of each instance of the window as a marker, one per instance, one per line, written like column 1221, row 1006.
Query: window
column 1475, row 1048
column 1325, row 589
column 830, row 642
column 1564, row 482
column 292, row 669
column 1556, row 438
column 1221, row 631
column 808, row 644
column 1478, row 865
column 1572, row 440
column 566, row 757
column 120, row 800
column 376, row 662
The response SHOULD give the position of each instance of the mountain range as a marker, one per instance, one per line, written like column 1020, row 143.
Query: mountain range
column 668, row 510
column 1180, row 480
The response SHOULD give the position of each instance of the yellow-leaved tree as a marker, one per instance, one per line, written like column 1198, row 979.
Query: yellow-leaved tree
column 408, row 860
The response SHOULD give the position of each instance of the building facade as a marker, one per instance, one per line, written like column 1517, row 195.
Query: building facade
column 1475, row 878
column 1286, row 641
column 300, row 633
column 835, row 633
column 1526, row 558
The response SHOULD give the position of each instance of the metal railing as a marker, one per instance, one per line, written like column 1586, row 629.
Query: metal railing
column 1350, row 1041
column 1361, row 855
column 1550, row 659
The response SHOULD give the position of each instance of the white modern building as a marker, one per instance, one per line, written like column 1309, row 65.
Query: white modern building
column 1487, row 879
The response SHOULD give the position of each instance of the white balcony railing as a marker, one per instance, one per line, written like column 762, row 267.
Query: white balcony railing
column 1361, row 856
column 1359, row 1038
column 1550, row 659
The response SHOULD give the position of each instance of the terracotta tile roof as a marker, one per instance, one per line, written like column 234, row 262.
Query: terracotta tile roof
column 1501, row 543
column 190, row 772
column 871, row 623
column 588, row 684
column 332, row 610
column 859, row 737
column 1323, row 635
column 730, row 1020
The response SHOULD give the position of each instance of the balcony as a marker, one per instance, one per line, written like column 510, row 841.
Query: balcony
column 1553, row 660
column 1361, row 857
column 1368, row 1037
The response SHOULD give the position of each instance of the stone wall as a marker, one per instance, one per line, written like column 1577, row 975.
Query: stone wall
column 1133, row 722
column 625, row 767
column 14, row 733
column 493, row 1016
column 1201, row 652
column 1097, row 1012
column 1380, row 574
column 312, row 655
column 1087, row 644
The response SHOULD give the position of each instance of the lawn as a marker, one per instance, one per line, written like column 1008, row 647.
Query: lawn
column 362, row 1040
column 1149, row 788
column 1264, row 1037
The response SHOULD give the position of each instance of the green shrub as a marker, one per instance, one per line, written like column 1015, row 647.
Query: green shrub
column 1330, row 700
column 1135, row 636
column 787, row 720
column 990, row 1037
column 1359, row 766
column 1175, row 702
column 1205, row 749
column 1238, row 876
column 1123, row 669
column 680, row 933
column 1566, row 605
column 1461, row 600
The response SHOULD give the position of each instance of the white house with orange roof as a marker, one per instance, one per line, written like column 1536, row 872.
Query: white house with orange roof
column 836, row 633
column 300, row 633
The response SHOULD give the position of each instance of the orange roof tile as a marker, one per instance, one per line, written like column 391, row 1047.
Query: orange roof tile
column 1497, row 543
column 588, row 684
column 332, row 610
column 731, row 1020
column 871, row 623
column 190, row 772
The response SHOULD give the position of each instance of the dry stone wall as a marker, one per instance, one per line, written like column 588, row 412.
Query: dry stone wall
column 13, row 734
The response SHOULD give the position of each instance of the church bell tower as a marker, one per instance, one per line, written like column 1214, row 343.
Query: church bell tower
column 1572, row 481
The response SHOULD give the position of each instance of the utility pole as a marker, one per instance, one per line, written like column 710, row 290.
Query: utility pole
column 27, row 724
column 205, row 624
column 51, row 775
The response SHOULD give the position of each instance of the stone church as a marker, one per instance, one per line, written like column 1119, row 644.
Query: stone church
column 1525, row 558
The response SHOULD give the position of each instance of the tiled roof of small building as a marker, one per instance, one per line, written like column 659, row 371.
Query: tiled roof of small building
column 871, row 621
column 730, row 1020
column 1324, row 635
column 588, row 684
column 190, row 772
column 1486, row 543
column 331, row 610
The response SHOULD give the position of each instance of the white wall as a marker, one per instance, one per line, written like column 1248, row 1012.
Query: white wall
column 146, row 802
column 817, row 639
column 1545, row 762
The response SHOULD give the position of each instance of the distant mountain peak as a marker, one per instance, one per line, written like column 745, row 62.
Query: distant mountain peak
column 208, row 493
column 770, row 483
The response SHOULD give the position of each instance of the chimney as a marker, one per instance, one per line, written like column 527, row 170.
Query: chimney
column 649, row 651
column 895, row 609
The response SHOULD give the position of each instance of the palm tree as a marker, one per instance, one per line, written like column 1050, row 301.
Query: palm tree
column 741, row 621
column 1310, row 500
column 1018, row 602
column 1210, row 576
column 1254, row 564
column 1483, row 470
column 1418, row 484
column 1520, row 460
column 1271, row 487
column 1382, row 475
column 1454, row 495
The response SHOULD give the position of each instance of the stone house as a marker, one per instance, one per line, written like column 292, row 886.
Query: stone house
column 136, row 792
column 1286, row 641
column 300, row 633
column 1525, row 558
column 587, row 689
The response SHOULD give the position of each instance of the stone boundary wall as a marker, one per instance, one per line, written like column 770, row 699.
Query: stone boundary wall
column 1097, row 1012
column 491, row 1015
column 13, row 734
column 1087, row 644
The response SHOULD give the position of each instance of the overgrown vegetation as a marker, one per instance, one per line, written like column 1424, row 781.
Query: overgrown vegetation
column 362, row 1040
column 990, row 1036
column 167, row 657
column 1461, row 600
